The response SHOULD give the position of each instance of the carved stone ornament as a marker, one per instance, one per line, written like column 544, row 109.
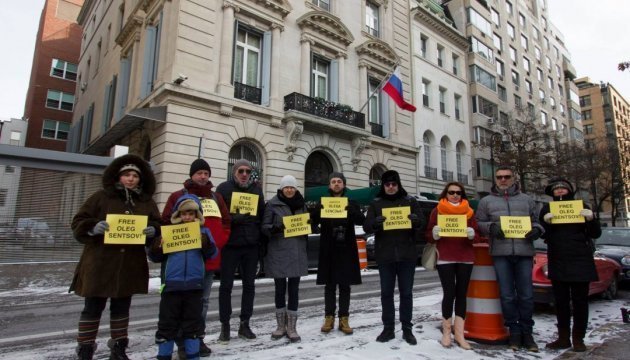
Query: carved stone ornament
column 292, row 131
column 358, row 145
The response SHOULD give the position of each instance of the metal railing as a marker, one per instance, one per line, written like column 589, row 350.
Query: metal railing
column 447, row 175
column 430, row 172
column 377, row 129
column 247, row 93
column 462, row 178
column 325, row 109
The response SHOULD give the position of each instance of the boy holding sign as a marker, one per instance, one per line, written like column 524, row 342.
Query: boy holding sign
column 182, row 251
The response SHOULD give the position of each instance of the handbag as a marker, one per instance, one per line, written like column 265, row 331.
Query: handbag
column 429, row 256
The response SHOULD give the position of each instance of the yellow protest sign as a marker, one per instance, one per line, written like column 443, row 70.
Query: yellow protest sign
column 210, row 208
column 452, row 225
column 296, row 225
column 397, row 218
column 181, row 237
column 334, row 207
column 515, row 227
column 566, row 212
column 125, row 229
column 245, row 203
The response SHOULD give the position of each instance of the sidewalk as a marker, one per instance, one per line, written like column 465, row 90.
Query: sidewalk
column 616, row 345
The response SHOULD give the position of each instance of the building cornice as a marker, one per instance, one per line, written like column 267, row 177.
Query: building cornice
column 440, row 24
column 379, row 53
column 326, row 24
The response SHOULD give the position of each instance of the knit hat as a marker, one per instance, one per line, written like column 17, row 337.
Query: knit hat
column 130, row 167
column 199, row 164
column 556, row 183
column 187, row 204
column 288, row 180
column 239, row 163
column 336, row 174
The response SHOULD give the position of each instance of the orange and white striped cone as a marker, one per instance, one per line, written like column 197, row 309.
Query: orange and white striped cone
column 484, row 319
column 362, row 254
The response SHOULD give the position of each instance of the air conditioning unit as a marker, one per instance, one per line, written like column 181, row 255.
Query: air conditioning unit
column 490, row 121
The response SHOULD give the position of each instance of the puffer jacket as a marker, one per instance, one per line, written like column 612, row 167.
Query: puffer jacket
column 246, row 233
column 114, row 270
column 511, row 202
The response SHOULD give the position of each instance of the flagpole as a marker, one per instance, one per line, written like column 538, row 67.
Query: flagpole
column 385, row 79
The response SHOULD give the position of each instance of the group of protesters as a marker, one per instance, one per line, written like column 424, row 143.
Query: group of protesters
column 234, row 235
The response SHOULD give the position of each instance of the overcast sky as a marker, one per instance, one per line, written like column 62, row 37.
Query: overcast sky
column 595, row 33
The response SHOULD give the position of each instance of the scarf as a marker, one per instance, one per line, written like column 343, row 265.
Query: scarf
column 203, row 191
column 129, row 193
column 446, row 208
column 294, row 203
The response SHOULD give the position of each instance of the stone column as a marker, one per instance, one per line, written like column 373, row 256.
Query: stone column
column 363, row 92
column 276, row 101
column 341, row 59
column 305, row 65
column 224, row 87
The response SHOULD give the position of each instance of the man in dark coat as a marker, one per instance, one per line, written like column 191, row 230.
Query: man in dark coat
column 241, row 250
column 571, row 265
column 396, row 254
column 338, row 257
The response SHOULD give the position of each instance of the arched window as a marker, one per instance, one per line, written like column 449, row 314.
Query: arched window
column 317, row 169
column 443, row 155
column 246, row 150
column 376, row 172
column 427, row 150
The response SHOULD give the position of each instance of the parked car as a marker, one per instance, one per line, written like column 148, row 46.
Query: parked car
column 608, row 272
column 615, row 244
column 426, row 206
column 34, row 231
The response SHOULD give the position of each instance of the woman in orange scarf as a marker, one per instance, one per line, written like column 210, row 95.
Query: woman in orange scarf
column 455, row 260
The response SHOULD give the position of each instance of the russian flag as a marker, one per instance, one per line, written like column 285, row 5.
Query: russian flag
column 394, row 89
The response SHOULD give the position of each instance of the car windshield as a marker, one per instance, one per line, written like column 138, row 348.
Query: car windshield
column 617, row 237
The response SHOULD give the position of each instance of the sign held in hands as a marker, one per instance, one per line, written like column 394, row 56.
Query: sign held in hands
column 334, row 207
column 566, row 212
column 516, row 227
column 397, row 218
column 296, row 225
column 181, row 237
column 244, row 203
column 125, row 229
column 452, row 225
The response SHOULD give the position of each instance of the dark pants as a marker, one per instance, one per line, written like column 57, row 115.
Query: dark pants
column 514, row 275
column 180, row 310
column 330, row 300
column 571, row 297
column 231, row 258
column 404, row 271
column 454, row 278
column 293, row 286
column 94, row 306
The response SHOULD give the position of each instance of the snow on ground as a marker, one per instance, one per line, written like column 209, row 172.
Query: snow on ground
column 365, row 319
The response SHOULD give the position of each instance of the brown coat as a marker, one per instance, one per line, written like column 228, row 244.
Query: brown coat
column 114, row 270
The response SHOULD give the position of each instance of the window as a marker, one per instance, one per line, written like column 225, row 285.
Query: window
column 554, row 124
column 9, row 169
column 562, row 109
column 495, row 17
column 425, row 92
column 427, row 150
column 500, row 69
column 57, row 130
column 481, row 49
column 485, row 107
column 63, row 69
column 455, row 64
column 513, row 54
column 537, row 53
column 539, row 74
column 247, row 57
column 588, row 129
column 496, row 40
column 558, row 72
column 324, row 4
column 457, row 100
column 479, row 21
column 375, row 100
column 526, row 64
column 543, row 118
column 563, row 129
column 536, row 33
column 443, row 157
column 502, row 93
column 515, row 78
column 484, row 168
column 552, row 101
column 16, row 137
column 556, row 52
column 518, row 103
column 371, row 18
column 509, row 8
column 548, row 62
column 510, row 31
column 483, row 77
column 151, row 56
column 528, row 86
column 576, row 98
column 319, row 78
column 440, row 56
column 248, row 151
column 442, row 100
column 544, row 22
column 524, row 42
column 546, row 42
column 482, row 136
column 521, row 20
column 59, row 100
column 586, row 115
column 423, row 45
column 541, row 95
column 585, row 100
column 458, row 160
column 550, row 82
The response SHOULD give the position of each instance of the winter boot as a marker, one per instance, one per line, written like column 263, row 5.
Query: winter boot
column 446, row 332
column 291, row 322
column 562, row 342
column 192, row 348
column 204, row 350
column 281, row 320
column 344, row 326
column 224, row 336
column 386, row 335
column 165, row 349
column 459, row 333
column 408, row 336
column 578, row 341
column 181, row 349
column 516, row 340
column 329, row 323
column 117, row 349
column 244, row 332
column 86, row 351
column 529, row 343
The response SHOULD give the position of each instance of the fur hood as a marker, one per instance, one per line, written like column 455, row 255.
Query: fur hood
column 147, row 178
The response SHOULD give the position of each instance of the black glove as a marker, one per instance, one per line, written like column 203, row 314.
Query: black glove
column 415, row 219
column 378, row 222
column 496, row 232
column 238, row 218
column 276, row 229
column 533, row 234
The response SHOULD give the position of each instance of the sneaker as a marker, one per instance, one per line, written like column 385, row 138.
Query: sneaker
column 386, row 335
column 515, row 341
column 244, row 332
column 204, row 350
column 408, row 337
column 529, row 343
column 224, row 336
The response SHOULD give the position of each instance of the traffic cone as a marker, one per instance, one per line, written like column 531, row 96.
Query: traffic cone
column 484, row 319
column 363, row 263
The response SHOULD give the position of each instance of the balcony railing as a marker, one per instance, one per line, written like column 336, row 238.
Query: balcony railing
column 462, row 178
column 377, row 129
column 247, row 93
column 430, row 172
column 326, row 109
column 447, row 175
